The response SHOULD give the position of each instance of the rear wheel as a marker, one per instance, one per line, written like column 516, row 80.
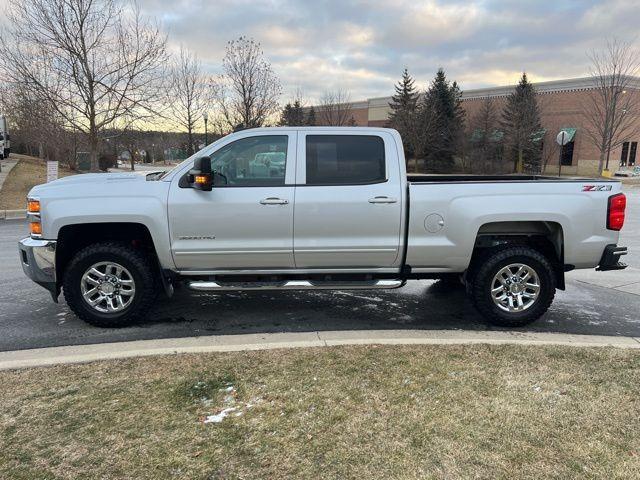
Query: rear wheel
column 109, row 284
column 513, row 287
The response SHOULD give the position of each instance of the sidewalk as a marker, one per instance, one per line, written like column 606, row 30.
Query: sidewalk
column 267, row 341
column 6, row 166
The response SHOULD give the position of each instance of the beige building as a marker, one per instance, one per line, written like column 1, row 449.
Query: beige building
column 560, row 103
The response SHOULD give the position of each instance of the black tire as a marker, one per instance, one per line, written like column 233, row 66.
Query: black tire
column 489, row 266
column 134, row 260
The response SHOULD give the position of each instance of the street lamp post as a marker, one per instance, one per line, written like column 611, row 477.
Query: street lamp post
column 206, row 136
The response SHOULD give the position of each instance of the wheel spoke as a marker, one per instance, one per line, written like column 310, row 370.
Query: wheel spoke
column 119, row 301
column 96, row 272
column 533, row 286
column 519, row 301
column 90, row 293
column 95, row 301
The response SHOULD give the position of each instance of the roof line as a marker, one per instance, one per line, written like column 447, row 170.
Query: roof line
column 548, row 86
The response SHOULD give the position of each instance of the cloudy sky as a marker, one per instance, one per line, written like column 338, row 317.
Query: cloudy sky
column 363, row 46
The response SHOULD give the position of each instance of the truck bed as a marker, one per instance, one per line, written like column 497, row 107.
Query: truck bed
column 447, row 212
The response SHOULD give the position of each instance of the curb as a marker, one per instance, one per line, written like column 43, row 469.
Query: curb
column 42, row 357
column 13, row 214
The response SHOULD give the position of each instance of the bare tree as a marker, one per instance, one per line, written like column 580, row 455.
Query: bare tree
column 612, row 106
column 335, row 108
column 36, row 129
column 95, row 62
column 247, row 92
column 188, row 94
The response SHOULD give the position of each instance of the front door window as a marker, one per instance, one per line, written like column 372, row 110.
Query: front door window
column 251, row 162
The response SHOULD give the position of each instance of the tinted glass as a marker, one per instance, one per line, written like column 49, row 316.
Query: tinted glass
column 345, row 159
column 251, row 162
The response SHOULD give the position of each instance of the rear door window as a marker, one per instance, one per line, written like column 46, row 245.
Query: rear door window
column 345, row 159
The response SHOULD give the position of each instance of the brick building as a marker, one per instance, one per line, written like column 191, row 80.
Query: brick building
column 560, row 104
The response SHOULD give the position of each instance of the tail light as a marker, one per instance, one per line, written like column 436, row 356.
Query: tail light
column 615, row 211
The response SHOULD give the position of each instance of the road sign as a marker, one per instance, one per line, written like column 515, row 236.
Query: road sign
column 562, row 138
column 52, row 171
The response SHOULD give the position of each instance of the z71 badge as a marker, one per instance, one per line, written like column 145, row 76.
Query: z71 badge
column 596, row 188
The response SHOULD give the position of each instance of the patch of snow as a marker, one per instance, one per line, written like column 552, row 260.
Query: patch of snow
column 218, row 417
column 361, row 297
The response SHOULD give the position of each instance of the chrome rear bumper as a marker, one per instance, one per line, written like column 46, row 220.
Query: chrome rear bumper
column 38, row 258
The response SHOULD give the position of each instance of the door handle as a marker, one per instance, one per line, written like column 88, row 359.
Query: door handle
column 274, row 201
column 382, row 199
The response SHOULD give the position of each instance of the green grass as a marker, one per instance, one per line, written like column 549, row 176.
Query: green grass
column 347, row 412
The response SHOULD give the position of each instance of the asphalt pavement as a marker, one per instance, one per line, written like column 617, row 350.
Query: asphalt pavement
column 595, row 303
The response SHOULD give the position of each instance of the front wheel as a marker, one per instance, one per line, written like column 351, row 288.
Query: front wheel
column 109, row 284
column 513, row 287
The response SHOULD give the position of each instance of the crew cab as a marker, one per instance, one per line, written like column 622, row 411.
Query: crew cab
column 315, row 208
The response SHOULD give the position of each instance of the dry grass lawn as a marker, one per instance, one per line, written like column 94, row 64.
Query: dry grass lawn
column 349, row 412
column 27, row 173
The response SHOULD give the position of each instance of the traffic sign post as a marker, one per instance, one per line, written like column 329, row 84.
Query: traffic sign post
column 562, row 140
column 52, row 171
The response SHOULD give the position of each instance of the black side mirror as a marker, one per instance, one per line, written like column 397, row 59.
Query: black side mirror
column 200, row 176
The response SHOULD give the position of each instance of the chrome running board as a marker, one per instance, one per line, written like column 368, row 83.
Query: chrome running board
column 209, row 285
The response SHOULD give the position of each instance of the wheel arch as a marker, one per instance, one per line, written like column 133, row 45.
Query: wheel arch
column 74, row 237
column 547, row 237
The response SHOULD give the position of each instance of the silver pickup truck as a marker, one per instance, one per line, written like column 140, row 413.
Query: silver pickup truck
column 315, row 208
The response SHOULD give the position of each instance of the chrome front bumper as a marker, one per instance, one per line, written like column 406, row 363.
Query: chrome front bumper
column 38, row 258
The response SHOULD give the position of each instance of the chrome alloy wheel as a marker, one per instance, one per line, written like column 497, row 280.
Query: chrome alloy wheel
column 515, row 288
column 107, row 287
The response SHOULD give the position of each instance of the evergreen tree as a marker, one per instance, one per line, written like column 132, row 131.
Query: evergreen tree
column 442, row 121
column 522, row 128
column 403, row 116
column 285, row 115
column 311, row 117
column 292, row 115
column 297, row 114
column 485, row 138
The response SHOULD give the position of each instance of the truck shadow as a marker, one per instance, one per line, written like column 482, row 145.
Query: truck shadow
column 423, row 305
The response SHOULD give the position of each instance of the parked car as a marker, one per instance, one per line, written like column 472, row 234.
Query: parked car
column 5, row 138
column 341, row 213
